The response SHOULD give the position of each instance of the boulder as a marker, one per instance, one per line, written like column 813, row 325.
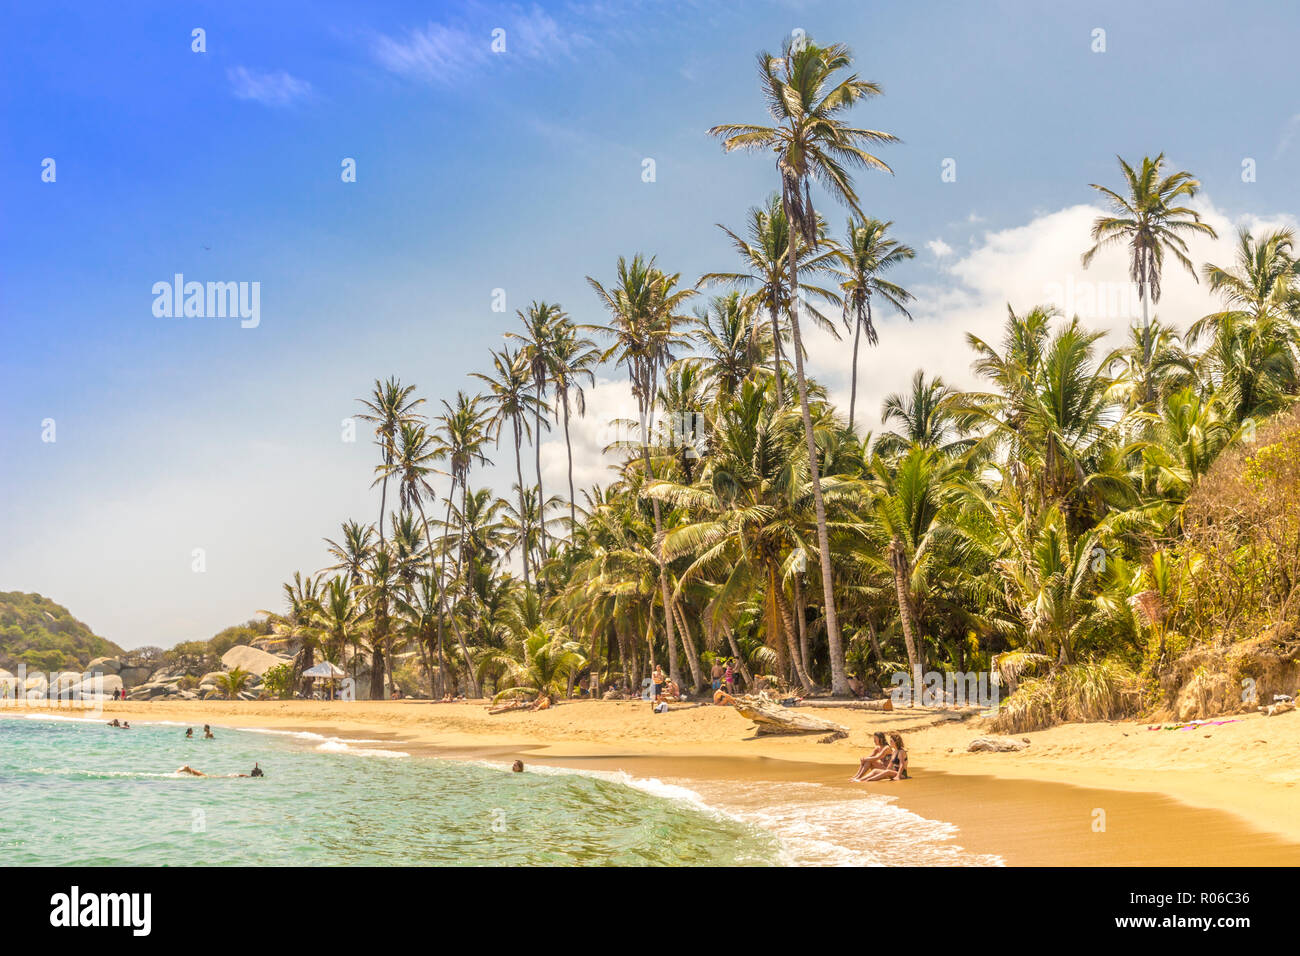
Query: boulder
column 991, row 744
column 134, row 675
column 251, row 659
column 211, row 679
column 104, row 665
column 97, row 686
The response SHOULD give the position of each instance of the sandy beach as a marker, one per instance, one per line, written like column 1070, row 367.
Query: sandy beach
column 1214, row 795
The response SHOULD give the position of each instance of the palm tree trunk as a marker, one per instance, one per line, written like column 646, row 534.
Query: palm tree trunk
column 568, row 448
column 688, row 646
column 839, row 679
column 801, row 617
column 787, row 619
column 537, row 452
column 853, row 388
column 740, row 659
column 519, row 474
column 898, row 561
column 673, row 671
column 474, row 687
column 776, row 354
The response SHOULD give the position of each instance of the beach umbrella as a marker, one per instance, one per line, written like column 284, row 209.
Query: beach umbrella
column 325, row 671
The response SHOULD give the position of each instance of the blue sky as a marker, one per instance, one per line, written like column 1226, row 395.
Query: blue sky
column 521, row 171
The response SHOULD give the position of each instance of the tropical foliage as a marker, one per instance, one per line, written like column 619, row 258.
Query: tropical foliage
column 1047, row 524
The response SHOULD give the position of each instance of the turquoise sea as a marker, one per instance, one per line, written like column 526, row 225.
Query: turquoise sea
column 75, row 791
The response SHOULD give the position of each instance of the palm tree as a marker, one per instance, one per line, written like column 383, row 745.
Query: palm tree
column 573, row 361
column 1266, row 278
column 868, row 254
column 298, row 625
column 413, row 464
column 388, row 407
column 746, row 534
column 765, row 250
column 541, row 327
column 732, row 344
column 509, row 401
column 644, row 318
column 1149, row 221
column 811, row 142
column 923, row 416
column 909, row 507
column 233, row 682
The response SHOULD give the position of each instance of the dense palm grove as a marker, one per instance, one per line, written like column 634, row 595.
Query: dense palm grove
column 1033, row 526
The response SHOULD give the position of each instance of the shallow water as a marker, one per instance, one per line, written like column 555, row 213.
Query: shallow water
column 74, row 791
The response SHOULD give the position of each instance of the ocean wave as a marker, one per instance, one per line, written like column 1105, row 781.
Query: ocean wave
column 334, row 745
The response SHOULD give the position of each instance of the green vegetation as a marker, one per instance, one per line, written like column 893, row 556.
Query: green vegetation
column 1062, row 524
column 42, row 635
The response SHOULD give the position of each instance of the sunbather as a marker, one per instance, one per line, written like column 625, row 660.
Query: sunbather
column 876, row 760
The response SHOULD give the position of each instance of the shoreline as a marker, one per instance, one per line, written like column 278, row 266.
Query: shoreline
column 1232, row 785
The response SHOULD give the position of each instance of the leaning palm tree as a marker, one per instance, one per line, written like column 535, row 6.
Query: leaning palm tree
column 508, row 400
column 868, row 254
column 811, row 141
column 387, row 408
column 1150, row 222
column 645, row 320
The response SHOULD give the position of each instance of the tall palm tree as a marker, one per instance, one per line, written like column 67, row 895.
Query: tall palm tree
column 542, row 321
column 573, row 362
column 765, row 250
column 508, row 400
column 412, row 465
column 390, row 404
column 811, row 141
column 1150, row 222
column 644, row 307
column 868, row 254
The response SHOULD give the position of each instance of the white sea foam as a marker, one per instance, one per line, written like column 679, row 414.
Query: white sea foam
column 336, row 746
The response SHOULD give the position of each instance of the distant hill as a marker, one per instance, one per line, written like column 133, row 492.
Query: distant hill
column 43, row 635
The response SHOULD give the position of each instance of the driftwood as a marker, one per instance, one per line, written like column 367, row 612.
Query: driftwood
column 991, row 744
column 884, row 703
column 775, row 719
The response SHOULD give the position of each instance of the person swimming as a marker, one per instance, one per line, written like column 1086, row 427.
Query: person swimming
column 189, row 733
column 257, row 771
column 518, row 767
column 187, row 769
column 207, row 733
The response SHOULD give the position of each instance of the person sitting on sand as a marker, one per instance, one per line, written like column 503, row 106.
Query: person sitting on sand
column 722, row 698
column 876, row 760
column 189, row 733
column 207, row 733
column 543, row 702
column 896, row 768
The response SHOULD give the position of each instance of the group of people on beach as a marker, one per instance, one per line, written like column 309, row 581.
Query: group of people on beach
column 887, row 762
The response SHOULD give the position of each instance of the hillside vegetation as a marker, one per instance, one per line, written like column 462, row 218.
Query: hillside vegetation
column 44, row 636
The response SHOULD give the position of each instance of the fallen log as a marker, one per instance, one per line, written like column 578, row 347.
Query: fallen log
column 774, row 719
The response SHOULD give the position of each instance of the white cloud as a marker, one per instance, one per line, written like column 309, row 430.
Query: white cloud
column 939, row 248
column 442, row 53
column 268, row 88
column 1038, row 263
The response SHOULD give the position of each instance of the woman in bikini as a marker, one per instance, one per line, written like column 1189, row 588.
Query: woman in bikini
column 896, row 768
column 876, row 760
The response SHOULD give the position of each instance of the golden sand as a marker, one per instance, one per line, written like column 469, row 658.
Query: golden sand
column 1214, row 795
